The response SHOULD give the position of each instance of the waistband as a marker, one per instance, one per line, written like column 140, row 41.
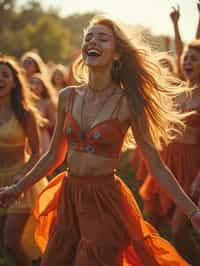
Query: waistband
column 91, row 178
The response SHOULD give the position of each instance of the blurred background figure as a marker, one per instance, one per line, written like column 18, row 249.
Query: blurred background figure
column 59, row 77
column 179, row 45
column 182, row 155
column 19, row 151
column 45, row 100
column 33, row 63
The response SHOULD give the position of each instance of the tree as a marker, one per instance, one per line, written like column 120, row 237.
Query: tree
column 7, row 13
column 76, row 23
column 49, row 37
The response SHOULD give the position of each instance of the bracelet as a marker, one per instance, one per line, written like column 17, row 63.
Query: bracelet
column 193, row 213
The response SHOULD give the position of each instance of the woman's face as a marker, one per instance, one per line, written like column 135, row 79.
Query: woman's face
column 58, row 78
column 30, row 66
column 98, row 47
column 7, row 81
column 191, row 64
column 37, row 86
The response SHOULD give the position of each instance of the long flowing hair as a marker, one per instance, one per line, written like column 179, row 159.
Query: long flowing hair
column 195, row 44
column 64, row 72
column 49, row 92
column 40, row 64
column 148, row 87
column 21, row 95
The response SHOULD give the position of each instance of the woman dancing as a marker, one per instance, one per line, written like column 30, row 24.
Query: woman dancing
column 19, row 151
column 87, row 216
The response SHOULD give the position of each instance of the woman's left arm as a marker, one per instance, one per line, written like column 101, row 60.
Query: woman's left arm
column 168, row 181
column 32, row 134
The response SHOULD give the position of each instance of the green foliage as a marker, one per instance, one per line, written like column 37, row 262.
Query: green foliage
column 76, row 23
column 49, row 37
column 7, row 13
column 126, row 172
column 55, row 37
column 32, row 27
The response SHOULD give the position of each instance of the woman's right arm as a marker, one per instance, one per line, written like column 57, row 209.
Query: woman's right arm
column 198, row 26
column 174, row 15
column 55, row 154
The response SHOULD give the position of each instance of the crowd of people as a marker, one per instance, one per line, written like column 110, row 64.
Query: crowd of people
column 61, row 135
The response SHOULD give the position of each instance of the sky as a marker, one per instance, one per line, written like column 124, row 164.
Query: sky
column 153, row 14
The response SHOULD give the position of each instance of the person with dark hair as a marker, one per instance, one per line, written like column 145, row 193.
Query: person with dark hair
column 19, row 151
column 87, row 216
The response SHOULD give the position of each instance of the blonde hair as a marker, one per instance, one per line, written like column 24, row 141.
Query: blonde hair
column 167, row 61
column 149, row 90
column 41, row 66
column 49, row 91
column 63, row 70
column 195, row 44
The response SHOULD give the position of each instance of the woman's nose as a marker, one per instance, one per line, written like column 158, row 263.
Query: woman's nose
column 93, row 39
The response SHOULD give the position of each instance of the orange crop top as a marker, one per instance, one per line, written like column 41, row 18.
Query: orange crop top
column 105, row 138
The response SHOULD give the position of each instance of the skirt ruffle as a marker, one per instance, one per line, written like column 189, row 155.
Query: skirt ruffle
column 184, row 161
column 87, row 221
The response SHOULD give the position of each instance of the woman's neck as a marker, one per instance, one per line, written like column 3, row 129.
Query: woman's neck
column 5, row 104
column 5, row 101
column 100, row 81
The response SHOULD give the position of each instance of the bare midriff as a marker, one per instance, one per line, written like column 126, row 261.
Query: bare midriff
column 85, row 164
column 190, row 136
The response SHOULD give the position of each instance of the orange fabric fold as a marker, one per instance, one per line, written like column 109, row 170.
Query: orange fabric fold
column 96, row 221
column 184, row 161
column 139, row 165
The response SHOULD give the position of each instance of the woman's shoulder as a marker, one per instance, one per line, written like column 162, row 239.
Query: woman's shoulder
column 66, row 95
column 71, row 89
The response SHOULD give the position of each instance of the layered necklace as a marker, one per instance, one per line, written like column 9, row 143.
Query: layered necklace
column 98, row 93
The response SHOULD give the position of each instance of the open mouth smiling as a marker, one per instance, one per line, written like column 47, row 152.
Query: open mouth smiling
column 93, row 53
column 188, row 70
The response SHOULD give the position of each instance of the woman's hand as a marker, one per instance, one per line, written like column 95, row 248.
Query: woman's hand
column 195, row 220
column 9, row 195
column 175, row 14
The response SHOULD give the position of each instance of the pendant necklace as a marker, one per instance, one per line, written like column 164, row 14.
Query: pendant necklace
column 84, row 130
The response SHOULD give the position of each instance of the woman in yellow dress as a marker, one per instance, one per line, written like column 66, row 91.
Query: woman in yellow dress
column 19, row 150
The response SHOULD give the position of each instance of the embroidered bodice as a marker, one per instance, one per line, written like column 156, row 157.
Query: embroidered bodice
column 105, row 138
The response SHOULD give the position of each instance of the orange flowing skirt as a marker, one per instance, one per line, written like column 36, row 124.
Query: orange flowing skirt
column 95, row 221
column 184, row 162
column 139, row 165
